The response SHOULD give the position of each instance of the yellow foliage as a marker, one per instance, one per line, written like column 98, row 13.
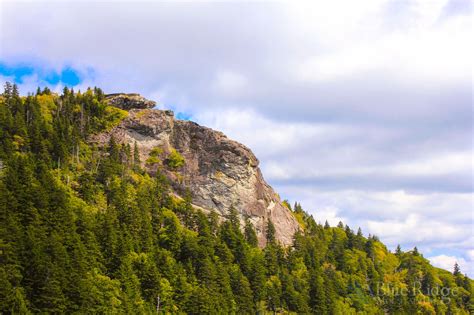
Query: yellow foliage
column 114, row 116
column 156, row 151
column 285, row 203
column 380, row 251
column 426, row 307
column 18, row 142
column 135, row 177
column 175, row 160
column 152, row 160
column 47, row 106
column 300, row 218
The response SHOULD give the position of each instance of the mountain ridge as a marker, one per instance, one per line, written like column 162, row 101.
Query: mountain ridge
column 219, row 172
column 89, row 225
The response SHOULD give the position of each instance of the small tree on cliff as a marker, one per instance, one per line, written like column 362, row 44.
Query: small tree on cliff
column 270, row 234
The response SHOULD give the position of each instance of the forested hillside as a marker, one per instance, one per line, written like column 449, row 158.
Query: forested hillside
column 85, row 229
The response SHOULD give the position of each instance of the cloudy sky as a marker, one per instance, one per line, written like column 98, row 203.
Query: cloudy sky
column 360, row 110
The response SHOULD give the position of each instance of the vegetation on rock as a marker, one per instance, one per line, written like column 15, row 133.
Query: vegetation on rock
column 175, row 160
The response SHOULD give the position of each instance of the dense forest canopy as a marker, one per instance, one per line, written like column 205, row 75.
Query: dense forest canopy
column 85, row 229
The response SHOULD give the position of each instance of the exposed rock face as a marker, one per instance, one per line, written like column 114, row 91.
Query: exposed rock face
column 129, row 101
column 219, row 172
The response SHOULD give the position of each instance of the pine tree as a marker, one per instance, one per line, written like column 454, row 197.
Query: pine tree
column 136, row 157
column 250, row 234
column 257, row 276
column 242, row 292
column 273, row 290
column 351, row 241
column 359, row 240
column 270, row 232
column 317, row 293
column 398, row 251
column 456, row 269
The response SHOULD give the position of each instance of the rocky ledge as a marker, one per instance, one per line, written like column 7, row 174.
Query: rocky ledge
column 220, row 173
column 128, row 101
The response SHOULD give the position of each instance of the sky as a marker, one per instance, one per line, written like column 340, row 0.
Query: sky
column 359, row 110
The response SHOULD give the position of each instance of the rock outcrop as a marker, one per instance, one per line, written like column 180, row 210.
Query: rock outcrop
column 220, row 173
column 129, row 101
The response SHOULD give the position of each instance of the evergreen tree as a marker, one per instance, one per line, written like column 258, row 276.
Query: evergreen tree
column 136, row 157
column 317, row 293
column 250, row 235
column 456, row 269
column 398, row 251
column 242, row 292
column 270, row 232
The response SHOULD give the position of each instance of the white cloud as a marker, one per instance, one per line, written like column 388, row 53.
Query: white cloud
column 448, row 163
column 447, row 262
column 424, row 48
column 229, row 82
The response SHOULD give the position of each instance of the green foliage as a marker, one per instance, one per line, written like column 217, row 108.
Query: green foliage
column 113, row 116
column 85, row 229
column 250, row 234
column 300, row 218
column 152, row 160
column 270, row 232
column 175, row 160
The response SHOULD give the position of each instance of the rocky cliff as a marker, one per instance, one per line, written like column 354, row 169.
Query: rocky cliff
column 220, row 173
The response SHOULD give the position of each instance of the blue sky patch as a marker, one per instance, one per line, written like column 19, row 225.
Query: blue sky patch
column 68, row 75
column 52, row 77
column 183, row 116
column 17, row 72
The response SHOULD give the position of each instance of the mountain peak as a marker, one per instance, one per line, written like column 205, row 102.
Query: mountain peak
column 218, row 172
